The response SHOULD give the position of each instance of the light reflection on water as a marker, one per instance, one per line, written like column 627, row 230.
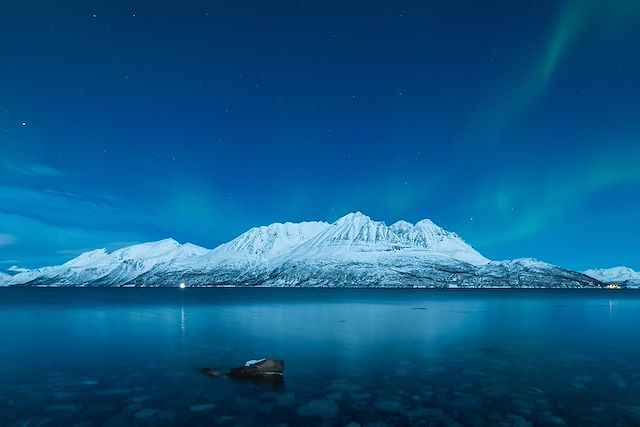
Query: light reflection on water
column 468, row 357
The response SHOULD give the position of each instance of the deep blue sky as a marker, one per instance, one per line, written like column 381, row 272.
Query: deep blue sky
column 515, row 124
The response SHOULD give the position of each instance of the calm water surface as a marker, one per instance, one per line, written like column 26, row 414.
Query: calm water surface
column 131, row 357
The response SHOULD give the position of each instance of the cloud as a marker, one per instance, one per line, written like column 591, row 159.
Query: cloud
column 43, row 244
column 84, row 210
column 36, row 170
column 40, row 222
column 56, row 224
column 7, row 239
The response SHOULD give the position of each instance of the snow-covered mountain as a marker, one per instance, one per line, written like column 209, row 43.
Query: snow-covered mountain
column 617, row 275
column 101, row 268
column 353, row 251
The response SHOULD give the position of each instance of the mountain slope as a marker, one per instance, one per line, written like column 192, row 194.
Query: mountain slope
column 262, row 244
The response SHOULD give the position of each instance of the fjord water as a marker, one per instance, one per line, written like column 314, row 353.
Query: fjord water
column 132, row 357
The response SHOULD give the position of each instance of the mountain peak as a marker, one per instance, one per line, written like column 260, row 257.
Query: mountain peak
column 168, row 242
column 87, row 258
column 401, row 225
column 353, row 217
column 146, row 250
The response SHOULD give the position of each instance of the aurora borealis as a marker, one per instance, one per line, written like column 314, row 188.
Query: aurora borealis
column 514, row 124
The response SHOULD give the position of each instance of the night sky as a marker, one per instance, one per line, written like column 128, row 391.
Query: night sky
column 515, row 124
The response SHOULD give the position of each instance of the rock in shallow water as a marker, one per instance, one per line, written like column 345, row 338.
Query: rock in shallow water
column 319, row 408
column 260, row 369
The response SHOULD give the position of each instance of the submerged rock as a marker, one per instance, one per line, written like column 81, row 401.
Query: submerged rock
column 518, row 421
column 119, row 420
column 202, row 407
column 146, row 413
column 344, row 385
column 360, row 396
column 389, row 406
column 286, row 399
column 61, row 408
column 378, row 424
column 633, row 412
column 319, row 408
column 212, row 372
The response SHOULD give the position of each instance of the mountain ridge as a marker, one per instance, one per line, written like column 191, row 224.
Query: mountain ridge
column 352, row 251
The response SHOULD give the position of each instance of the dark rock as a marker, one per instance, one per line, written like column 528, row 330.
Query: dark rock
column 266, row 369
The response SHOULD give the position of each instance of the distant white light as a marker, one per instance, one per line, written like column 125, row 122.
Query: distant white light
column 182, row 286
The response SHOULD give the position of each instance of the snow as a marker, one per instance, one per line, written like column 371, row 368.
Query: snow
column 4, row 278
column 86, row 259
column 615, row 274
column 253, row 362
